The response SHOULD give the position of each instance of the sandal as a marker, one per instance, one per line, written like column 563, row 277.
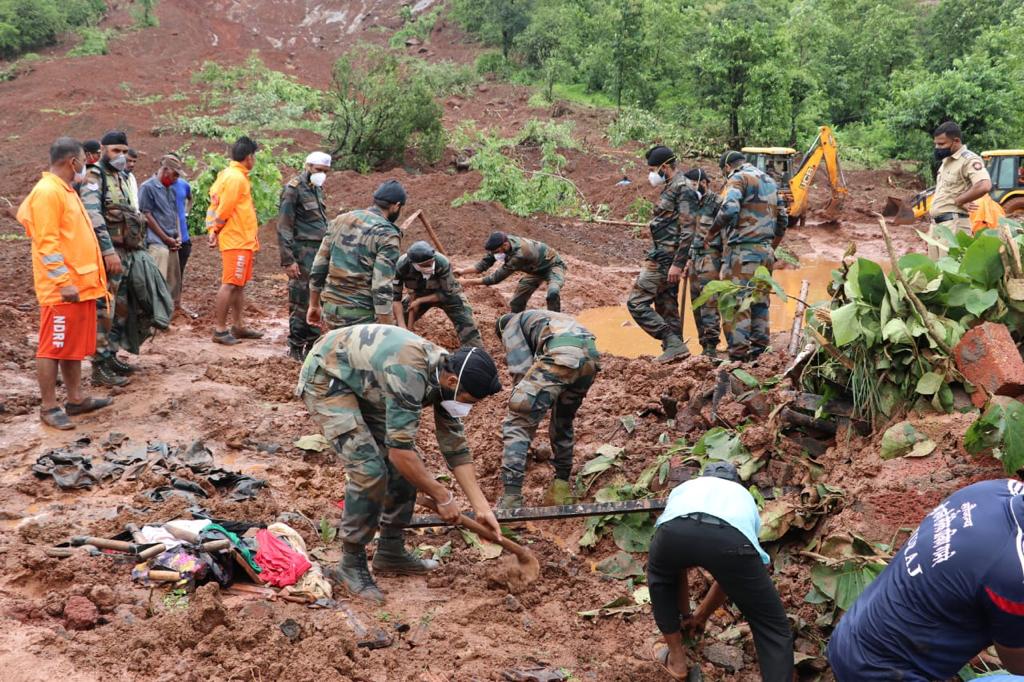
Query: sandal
column 56, row 418
column 87, row 405
column 246, row 333
column 661, row 658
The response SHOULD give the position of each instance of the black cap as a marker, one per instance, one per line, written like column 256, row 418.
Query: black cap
column 501, row 323
column 420, row 252
column 390, row 191
column 477, row 371
column 696, row 174
column 729, row 157
column 724, row 470
column 495, row 241
column 91, row 146
column 659, row 155
column 114, row 137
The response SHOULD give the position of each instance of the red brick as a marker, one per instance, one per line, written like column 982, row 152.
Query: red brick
column 988, row 358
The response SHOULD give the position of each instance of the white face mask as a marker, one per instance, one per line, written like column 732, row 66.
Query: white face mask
column 655, row 178
column 456, row 408
column 318, row 179
column 426, row 272
column 500, row 257
column 119, row 162
column 80, row 175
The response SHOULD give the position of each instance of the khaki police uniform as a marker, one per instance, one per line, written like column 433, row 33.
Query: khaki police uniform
column 957, row 173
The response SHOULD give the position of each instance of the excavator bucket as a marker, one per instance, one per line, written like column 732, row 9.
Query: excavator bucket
column 898, row 212
column 830, row 213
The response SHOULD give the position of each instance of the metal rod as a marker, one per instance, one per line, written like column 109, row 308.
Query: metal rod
column 565, row 511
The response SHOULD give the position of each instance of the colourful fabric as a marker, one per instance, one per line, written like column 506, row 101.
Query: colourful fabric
column 232, row 214
column 64, row 247
column 280, row 565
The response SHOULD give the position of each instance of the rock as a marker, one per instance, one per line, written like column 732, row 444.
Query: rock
column 53, row 604
column 103, row 597
column 80, row 613
column 512, row 604
column 988, row 357
column 129, row 615
column 257, row 611
column 724, row 656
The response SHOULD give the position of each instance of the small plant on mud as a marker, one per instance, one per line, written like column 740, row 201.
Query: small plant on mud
column 537, row 133
column 144, row 14
column 93, row 42
column 328, row 531
column 176, row 599
column 418, row 28
column 640, row 211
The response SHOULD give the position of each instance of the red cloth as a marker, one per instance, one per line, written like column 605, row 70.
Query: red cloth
column 281, row 565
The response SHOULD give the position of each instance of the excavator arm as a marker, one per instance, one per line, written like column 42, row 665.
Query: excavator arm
column 901, row 214
column 823, row 149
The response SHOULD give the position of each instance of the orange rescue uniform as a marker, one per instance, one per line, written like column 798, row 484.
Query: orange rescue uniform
column 64, row 253
column 232, row 217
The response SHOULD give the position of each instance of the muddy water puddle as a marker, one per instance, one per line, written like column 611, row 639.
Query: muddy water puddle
column 618, row 334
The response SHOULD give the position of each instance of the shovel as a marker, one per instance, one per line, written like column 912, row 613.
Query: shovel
column 528, row 566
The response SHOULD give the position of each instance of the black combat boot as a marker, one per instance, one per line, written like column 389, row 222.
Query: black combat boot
column 119, row 367
column 354, row 574
column 103, row 375
column 393, row 559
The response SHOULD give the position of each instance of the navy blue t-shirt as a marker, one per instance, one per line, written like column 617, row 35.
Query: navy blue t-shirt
column 956, row 587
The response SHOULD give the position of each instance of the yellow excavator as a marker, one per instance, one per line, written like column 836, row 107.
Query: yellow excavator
column 1005, row 167
column 778, row 162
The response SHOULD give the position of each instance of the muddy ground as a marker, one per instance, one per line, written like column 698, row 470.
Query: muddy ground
column 239, row 402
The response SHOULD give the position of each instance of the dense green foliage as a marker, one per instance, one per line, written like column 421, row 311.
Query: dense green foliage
column 29, row 24
column 93, row 42
column 884, row 73
column 266, row 187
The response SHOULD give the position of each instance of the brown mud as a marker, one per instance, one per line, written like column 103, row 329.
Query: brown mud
column 239, row 402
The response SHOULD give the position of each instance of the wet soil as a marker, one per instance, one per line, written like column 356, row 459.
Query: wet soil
column 239, row 400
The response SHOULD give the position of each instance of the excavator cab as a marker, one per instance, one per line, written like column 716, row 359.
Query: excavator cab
column 1006, row 168
column 775, row 161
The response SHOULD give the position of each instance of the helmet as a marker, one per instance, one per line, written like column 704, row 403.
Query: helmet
column 420, row 252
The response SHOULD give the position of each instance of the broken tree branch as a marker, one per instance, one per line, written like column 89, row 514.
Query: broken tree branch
column 921, row 310
column 796, row 332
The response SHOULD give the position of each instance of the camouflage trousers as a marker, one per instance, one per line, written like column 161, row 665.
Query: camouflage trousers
column 748, row 336
column 558, row 382
column 555, row 278
column 301, row 335
column 336, row 316
column 703, row 269
column 376, row 495
column 460, row 313
column 654, row 303
column 110, row 322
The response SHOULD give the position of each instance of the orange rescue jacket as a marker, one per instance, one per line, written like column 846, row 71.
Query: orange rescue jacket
column 64, row 246
column 232, row 214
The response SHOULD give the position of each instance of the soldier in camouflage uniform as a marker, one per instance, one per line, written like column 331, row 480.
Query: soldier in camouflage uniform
column 653, row 303
column 752, row 221
column 301, row 226
column 106, row 196
column 355, row 265
column 427, row 276
column 554, row 361
column 705, row 262
column 539, row 261
column 365, row 386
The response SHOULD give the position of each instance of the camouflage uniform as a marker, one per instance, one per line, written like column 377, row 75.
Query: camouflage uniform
column 539, row 261
column 654, row 303
column 355, row 268
column 365, row 386
column 554, row 360
column 301, row 225
column 108, row 225
column 705, row 264
column 753, row 215
column 443, row 284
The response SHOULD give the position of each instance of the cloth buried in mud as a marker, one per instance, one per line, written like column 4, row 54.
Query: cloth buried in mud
column 75, row 467
column 282, row 566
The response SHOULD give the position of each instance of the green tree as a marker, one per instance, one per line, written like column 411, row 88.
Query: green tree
column 955, row 24
column 497, row 21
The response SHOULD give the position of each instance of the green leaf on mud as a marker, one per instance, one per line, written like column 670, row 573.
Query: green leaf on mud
column 619, row 605
column 722, row 444
column 487, row 549
column 746, row 377
column 903, row 439
column 929, row 383
column 776, row 519
column 845, row 326
column 633, row 539
column 845, row 582
column 312, row 443
column 620, row 566
column 1000, row 430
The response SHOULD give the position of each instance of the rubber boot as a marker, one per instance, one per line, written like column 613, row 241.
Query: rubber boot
column 102, row 375
column 296, row 353
column 354, row 574
column 675, row 349
column 558, row 493
column 392, row 558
